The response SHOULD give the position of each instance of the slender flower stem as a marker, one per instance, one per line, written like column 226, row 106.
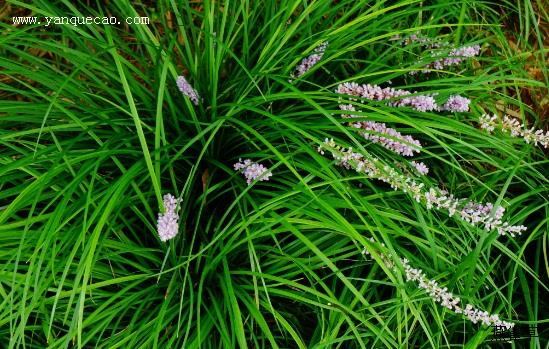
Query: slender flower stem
column 488, row 216
column 424, row 41
column 515, row 128
column 441, row 295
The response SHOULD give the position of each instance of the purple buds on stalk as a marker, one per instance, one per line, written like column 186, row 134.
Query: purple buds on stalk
column 308, row 62
column 187, row 89
column 252, row 170
column 168, row 225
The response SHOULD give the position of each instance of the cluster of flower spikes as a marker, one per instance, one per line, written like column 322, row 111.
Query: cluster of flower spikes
column 167, row 223
column 440, row 294
column 388, row 137
column 471, row 212
column 515, row 128
column 487, row 216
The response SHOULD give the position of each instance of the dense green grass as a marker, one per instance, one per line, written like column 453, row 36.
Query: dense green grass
column 93, row 131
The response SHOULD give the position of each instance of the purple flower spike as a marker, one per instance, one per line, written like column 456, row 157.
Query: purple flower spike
column 487, row 216
column 389, row 138
column 455, row 56
column 456, row 103
column 252, row 170
column 307, row 63
column 420, row 167
column 516, row 129
column 379, row 133
column 441, row 294
column 376, row 93
column 187, row 89
column 168, row 225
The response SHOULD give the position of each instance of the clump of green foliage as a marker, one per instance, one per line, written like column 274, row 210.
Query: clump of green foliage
column 94, row 131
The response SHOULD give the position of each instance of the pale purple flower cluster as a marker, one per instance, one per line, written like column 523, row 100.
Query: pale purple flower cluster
column 388, row 137
column 475, row 213
column 168, row 225
column 252, row 170
column 425, row 41
column 516, row 129
column 439, row 48
column 487, row 216
column 487, row 122
column 187, row 89
column 385, row 136
column 448, row 300
column 455, row 56
column 374, row 92
column 458, row 54
column 420, row 103
column 420, row 167
column 423, row 103
column 456, row 103
column 440, row 294
column 308, row 62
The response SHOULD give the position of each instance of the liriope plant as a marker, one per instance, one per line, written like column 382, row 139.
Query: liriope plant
column 163, row 185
